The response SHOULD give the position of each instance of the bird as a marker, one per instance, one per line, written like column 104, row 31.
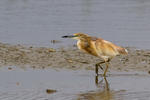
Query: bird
column 97, row 47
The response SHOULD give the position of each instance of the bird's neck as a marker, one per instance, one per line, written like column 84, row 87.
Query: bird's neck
column 85, row 41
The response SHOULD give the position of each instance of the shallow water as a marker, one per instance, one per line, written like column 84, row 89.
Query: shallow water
column 35, row 22
column 31, row 84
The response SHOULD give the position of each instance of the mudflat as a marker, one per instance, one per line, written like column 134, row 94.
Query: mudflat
column 70, row 58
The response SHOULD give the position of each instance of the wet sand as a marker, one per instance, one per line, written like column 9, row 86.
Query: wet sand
column 70, row 58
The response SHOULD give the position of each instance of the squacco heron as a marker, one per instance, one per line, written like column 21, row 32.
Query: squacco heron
column 97, row 47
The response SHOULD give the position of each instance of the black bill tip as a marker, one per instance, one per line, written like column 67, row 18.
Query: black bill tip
column 68, row 36
column 64, row 36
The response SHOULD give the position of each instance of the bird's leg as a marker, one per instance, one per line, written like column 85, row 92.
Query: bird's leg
column 96, row 67
column 106, row 66
column 100, row 66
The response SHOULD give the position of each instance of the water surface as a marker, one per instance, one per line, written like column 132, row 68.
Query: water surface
column 31, row 84
column 35, row 22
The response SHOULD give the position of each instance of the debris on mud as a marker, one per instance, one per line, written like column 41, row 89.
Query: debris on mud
column 69, row 58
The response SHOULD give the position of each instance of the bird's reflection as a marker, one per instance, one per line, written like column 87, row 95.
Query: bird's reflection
column 100, row 84
column 103, row 92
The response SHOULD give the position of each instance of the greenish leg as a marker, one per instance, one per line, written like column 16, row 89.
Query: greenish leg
column 96, row 67
column 106, row 66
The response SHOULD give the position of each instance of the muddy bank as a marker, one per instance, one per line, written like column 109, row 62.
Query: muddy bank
column 69, row 58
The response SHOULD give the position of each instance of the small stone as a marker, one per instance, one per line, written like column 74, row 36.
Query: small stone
column 22, row 55
column 74, row 45
column 9, row 68
column 51, row 50
column 119, row 68
column 17, row 83
column 84, row 62
column 69, row 60
column 149, row 71
column 50, row 91
column 73, row 66
column 33, row 67
column 40, row 52
column 143, row 62
column 55, row 41
column 146, row 55
column 122, row 59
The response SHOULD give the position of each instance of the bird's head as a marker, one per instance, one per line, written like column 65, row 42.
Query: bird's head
column 76, row 36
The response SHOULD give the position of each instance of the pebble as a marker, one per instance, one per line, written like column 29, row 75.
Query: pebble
column 50, row 91
column 9, row 68
column 52, row 50
column 17, row 83
column 56, row 41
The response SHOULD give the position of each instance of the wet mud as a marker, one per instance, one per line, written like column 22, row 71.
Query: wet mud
column 70, row 58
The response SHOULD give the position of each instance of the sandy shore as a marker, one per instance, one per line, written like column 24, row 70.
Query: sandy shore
column 69, row 58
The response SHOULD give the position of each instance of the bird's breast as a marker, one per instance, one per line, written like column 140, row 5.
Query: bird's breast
column 81, row 47
column 86, row 49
